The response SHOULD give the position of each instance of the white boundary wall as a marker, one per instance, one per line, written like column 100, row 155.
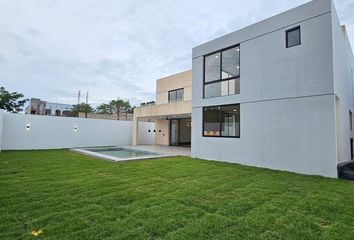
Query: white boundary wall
column 1, row 125
column 49, row 132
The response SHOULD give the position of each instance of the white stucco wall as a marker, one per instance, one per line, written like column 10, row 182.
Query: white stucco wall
column 343, row 65
column 289, row 134
column 286, row 95
column 48, row 132
column 1, row 125
column 144, row 136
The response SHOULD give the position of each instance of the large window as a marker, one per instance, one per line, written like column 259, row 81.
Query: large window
column 293, row 37
column 175, row 95
column 221, row 121
column 222, row 73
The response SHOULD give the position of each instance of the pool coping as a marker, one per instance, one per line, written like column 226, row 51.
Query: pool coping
column 87, row 152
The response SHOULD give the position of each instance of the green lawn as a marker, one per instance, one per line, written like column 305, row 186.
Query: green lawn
column 71, row 196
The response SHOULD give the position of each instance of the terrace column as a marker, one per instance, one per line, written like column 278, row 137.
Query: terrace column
column 135, row 130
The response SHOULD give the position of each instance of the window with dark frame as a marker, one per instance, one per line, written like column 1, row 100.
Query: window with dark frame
column 351, row 120
column 222, row 73
column 293, row 37
column 221, row 121
column 175, row 95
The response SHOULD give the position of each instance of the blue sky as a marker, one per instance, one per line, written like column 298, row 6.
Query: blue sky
column 117, row 48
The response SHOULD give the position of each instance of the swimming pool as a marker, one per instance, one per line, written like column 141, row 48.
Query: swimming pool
column 119, row 153
column 124, row 153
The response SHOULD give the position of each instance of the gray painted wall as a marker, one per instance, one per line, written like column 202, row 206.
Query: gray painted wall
column 343, row 63
column 287, row 96
column 269, row 70
column 284, row 134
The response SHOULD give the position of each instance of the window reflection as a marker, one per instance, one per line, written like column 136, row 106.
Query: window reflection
column 222, row 121
column 222, row 73
column 175, row 95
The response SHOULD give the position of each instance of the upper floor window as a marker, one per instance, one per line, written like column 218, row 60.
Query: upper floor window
column 222, row 73
column 175, row 95
column 293, row 37
column 350, row 120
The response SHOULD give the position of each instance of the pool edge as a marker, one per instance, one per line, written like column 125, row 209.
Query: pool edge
column 86, row 152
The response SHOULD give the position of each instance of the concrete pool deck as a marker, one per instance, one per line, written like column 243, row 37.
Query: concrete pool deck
column 160, row 151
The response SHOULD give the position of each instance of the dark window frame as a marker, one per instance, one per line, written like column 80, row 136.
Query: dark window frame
column 220, row 123
column 220, row 73
column 351, row 120
column 175, row 90
column 287, row 36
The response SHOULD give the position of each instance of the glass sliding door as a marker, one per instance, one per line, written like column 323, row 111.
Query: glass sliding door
column 174, row 132
column 185, row 125
column 180, row 132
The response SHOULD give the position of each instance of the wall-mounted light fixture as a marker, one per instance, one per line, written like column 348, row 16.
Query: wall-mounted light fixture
column 28, row 126
column 75, row 128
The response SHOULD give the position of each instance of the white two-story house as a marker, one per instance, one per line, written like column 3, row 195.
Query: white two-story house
column 277, row 94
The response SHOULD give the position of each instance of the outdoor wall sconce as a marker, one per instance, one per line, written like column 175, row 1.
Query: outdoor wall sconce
column 28, row 127
column 189, row 123
column 75, row 128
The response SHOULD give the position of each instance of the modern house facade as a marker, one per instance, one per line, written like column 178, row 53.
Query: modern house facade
column 277, row 94
column 171, row 112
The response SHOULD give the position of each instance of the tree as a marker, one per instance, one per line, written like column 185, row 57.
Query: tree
column 121, row 106
column 105, row 108
column 11, row 101
column 115, row 107
column 82, row 107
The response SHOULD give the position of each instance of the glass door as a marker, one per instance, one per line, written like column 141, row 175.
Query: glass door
column 174, row 132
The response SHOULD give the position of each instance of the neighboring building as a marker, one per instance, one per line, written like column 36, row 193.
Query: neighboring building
column 277, row 94
column 38, row 107
column 171, row 113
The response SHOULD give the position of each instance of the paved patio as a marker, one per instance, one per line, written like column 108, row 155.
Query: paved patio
column 165, row 150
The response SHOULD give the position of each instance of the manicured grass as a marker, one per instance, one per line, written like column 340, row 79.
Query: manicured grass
column 71, row 196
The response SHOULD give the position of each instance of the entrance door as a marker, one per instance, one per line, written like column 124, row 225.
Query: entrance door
column 180, row 132
column 174, row 132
